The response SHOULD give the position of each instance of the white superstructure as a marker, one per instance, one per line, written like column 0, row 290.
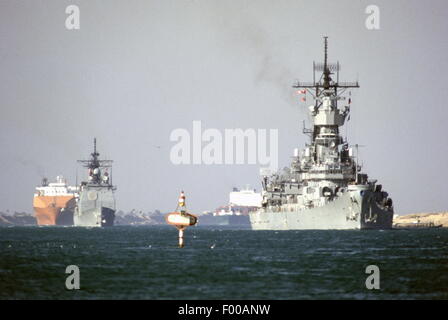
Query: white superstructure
column 58, row 188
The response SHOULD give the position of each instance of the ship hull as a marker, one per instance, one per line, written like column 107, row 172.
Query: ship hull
column 95, row 208
column 54, row 210
column 348, row 211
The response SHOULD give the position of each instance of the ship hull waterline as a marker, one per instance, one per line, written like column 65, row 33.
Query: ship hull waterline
column 95, row 208
column 344, row 213
column 54, row 210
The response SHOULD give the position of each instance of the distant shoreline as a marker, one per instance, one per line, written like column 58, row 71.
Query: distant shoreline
column 436, row 218
column 27, row 219
column 131, row 218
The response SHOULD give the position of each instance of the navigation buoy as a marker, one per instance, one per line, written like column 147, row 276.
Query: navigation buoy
column 181, row 219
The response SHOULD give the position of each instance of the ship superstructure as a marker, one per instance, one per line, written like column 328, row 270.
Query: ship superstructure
column 236, row 212
column 241, row 202
column 54, row 202
column 324, row 187
column 96, row 203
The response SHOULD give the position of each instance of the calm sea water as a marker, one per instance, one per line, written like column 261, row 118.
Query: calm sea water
column 219, row 263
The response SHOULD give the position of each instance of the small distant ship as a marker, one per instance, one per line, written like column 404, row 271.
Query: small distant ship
column 54, row 202
column 236, row 213
column 324, row 187
column 417, row 224
column 95, row 206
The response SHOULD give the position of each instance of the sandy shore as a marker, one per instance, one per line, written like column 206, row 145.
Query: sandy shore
column 440, row 218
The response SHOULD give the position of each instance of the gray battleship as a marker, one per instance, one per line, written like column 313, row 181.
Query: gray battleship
column 324, row 187
column 95, row 206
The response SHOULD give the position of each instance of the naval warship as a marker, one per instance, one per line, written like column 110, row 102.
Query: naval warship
column 324, row 187
column 95, row 205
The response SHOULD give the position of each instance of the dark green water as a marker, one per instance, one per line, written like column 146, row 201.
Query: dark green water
column 144, row 263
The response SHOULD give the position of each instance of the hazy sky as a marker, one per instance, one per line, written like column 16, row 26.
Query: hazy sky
column 136, row 70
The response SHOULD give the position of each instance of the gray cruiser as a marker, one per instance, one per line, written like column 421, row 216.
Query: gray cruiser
column 96, row 203
column 324, row 187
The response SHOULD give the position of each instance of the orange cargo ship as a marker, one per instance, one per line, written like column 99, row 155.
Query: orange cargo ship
column 54, row 203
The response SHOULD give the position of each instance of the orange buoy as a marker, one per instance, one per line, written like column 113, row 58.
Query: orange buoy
column 181, row 219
